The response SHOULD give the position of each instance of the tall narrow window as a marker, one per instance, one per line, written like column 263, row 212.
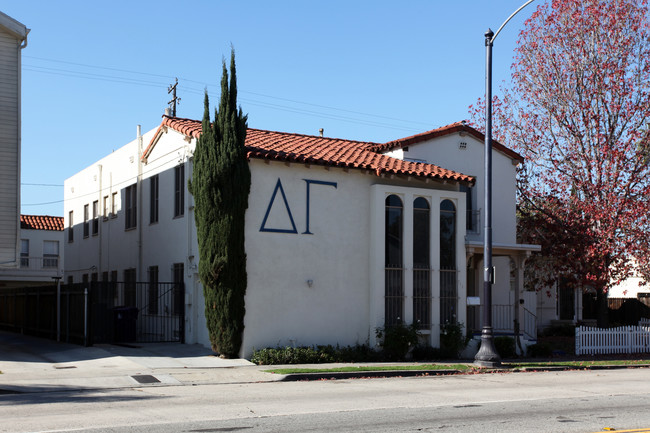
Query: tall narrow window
column 129, row 288
column 152, row 307
column 394, row 286
column 179, row 190
column 130, row 206
column 107, row 208
column 179, row 288
column 50, row 254
column 24, row 253
column 472, row 222
column 421, row 263
column 153, row 197
column 86, row 221
column 70, row 226
column 114, row 205
column 95, row 217
column 448, row 286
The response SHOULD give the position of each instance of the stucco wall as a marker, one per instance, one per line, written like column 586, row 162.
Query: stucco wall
column 316, row 280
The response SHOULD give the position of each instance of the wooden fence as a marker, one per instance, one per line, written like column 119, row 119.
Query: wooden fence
column 624, row 339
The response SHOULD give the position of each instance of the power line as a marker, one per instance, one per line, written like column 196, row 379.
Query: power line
column 40, row 184
column 134, row 81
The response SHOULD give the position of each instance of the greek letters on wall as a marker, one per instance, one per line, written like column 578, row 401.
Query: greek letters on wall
column 279, row 201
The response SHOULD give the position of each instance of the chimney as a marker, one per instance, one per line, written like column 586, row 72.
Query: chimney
column 168, row 112
column 320, row 131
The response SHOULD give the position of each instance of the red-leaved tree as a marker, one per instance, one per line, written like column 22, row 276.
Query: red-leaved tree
column 578, row 110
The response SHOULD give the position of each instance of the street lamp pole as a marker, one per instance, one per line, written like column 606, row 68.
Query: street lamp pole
column 487, row 355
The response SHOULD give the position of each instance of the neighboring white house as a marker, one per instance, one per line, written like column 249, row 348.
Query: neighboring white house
column 41, row 253
column 340, row 238
column 13, row 38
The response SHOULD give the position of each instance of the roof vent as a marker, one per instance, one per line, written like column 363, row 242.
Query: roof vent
column 462, row 145
column 320, row 131
column 168, row 112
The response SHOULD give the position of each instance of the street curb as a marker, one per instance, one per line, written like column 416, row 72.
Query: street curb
column 296, row 377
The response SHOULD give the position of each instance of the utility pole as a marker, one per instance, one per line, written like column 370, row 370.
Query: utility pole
column 172, row 104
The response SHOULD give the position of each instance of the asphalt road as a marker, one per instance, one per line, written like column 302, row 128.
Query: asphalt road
column 576, row 401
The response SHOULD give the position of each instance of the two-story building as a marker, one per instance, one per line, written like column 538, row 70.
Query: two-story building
column 342, row 236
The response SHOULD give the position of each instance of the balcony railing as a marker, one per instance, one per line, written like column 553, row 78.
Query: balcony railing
column 47, row 263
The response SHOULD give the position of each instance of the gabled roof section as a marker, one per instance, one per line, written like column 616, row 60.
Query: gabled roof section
column 41, row 222
column 12, row 26
column 442, row 131
column 307, row 149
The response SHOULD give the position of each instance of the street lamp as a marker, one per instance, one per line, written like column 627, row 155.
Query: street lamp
column 487, row 356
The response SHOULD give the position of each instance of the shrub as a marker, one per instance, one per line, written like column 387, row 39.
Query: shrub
column 397, row 340
column 505, row 346
column 452, row 340
column 539, row 350
column 560, row 331
column 426, row 353
column 313, row 355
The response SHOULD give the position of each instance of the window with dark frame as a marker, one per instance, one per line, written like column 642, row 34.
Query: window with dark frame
column 86, row 221
column 107, row 208
column 152, row 307
column 179, row 281
column 70, row 226
column 129, row 287
column 153, row 196
column 114, row 205
column 95, row 217
column 130, row 206
column 24, row 253
column 179, row 190
column 448, row 277
column 394, row 279
column 421, row 263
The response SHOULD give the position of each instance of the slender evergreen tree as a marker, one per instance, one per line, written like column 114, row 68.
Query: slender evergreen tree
column 221, row 185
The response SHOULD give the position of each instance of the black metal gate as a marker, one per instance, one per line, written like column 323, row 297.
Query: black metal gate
column 98, row 312
column 138, row 312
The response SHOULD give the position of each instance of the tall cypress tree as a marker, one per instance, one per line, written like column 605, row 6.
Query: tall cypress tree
column 221, row 184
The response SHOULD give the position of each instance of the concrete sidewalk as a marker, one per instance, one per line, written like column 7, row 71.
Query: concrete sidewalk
column 30, row 364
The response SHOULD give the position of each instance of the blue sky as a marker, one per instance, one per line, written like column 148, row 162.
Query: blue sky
column 366, row 70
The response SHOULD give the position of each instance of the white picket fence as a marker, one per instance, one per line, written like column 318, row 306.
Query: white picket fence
column 624, row 339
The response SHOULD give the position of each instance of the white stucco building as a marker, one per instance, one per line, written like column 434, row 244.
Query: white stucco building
column 342, row 237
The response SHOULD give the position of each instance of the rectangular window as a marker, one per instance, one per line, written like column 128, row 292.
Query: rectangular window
column 70, row 227
column 50, row 254
column 86, row 221
column 153, row 290
column 84, row 279
column 153, row 196
column 179, row 281
column 114, row 205
column 105, row 277
column 107, row 208
column 24, row 253
column 130, row 206
column 129, row 287
column 472, row 222
column 95, row 217
column 70, row 280
column 179, row 190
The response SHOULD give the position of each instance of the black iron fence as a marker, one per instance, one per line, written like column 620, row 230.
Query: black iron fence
column 99, row 312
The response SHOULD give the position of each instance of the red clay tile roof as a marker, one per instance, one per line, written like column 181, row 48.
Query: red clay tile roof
column 445, row 130
column 41, row 222
column 307, row 149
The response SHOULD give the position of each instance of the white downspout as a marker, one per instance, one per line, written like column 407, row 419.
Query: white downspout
column 140, row 210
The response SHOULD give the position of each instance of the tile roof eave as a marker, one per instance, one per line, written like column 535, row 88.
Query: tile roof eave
column 446, row 130
column 369, row 159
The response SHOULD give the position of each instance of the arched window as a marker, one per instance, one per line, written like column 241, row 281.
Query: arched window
column 394, row 290
column 448, row 286
column 421, row 263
